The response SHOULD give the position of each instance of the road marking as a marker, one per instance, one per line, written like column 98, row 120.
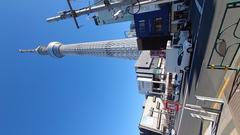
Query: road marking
column 182, row 110
column 220, row 95
column 200, row 9
column 223, row 88
column 234, row 132
column 226, row 81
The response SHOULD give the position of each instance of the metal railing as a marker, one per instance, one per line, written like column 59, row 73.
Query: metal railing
column 204, row 113
column 227, row 43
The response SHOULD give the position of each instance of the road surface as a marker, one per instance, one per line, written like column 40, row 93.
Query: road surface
column 206, row 18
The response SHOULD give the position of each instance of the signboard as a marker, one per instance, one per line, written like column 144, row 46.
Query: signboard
column 172, row 106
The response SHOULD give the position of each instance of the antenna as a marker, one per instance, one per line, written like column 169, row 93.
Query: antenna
column 89, row 9
column 74, row 15
column 27, row 50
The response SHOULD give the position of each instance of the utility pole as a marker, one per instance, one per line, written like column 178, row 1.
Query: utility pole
column 96, row 8
column 83, row 11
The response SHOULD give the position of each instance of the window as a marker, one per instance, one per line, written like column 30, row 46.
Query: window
column 159, row 87
column 154, row 99
column 179, row 60
column 151, row 111
column 158, row 24
column 142, row 26
column 158, row 105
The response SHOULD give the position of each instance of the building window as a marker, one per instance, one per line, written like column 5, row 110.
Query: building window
column 154, row 99
column 151, row 112
column 159, row 87
column 158, row 24
column 158, row 105
column 142, row 26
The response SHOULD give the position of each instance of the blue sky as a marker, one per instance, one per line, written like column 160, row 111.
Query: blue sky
column 69, row 96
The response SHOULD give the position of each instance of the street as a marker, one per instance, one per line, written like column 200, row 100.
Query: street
column 206, row 18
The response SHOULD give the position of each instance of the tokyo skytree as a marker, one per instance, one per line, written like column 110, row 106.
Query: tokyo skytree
column 122, row 48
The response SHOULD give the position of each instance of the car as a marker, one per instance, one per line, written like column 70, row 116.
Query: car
column 183, row 61
column 178, row 58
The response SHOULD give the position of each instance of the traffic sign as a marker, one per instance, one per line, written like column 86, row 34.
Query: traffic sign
column 171, row 105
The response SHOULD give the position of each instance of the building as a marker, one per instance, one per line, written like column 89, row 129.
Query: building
column 150, row 74
column 159, row 87
column 155, row 120
column 132, row 31
column 154, row 117
column 152, row 77
column 155, row 28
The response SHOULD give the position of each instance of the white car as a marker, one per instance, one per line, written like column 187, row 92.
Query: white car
column 178, row 59
column 183, row 60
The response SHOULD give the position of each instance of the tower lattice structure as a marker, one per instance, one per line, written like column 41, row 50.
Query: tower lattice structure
column 121, row 48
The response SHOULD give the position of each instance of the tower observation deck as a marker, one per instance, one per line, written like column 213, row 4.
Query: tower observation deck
column 122, row 48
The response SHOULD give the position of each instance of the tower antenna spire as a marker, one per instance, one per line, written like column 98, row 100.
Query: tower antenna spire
column 27, row 50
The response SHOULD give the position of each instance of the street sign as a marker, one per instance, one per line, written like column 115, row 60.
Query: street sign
column 172, row 106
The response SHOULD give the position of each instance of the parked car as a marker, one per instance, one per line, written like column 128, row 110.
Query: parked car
column 178, row 59
column 183, row 61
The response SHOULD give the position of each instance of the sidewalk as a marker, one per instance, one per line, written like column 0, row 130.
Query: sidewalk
column 230, row 118
column 231, row 108
column 227, row 125
column 209, row 82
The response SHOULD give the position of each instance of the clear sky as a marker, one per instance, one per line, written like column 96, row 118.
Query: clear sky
column 70, row 96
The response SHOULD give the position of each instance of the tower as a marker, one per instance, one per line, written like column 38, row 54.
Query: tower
column 122, row 48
